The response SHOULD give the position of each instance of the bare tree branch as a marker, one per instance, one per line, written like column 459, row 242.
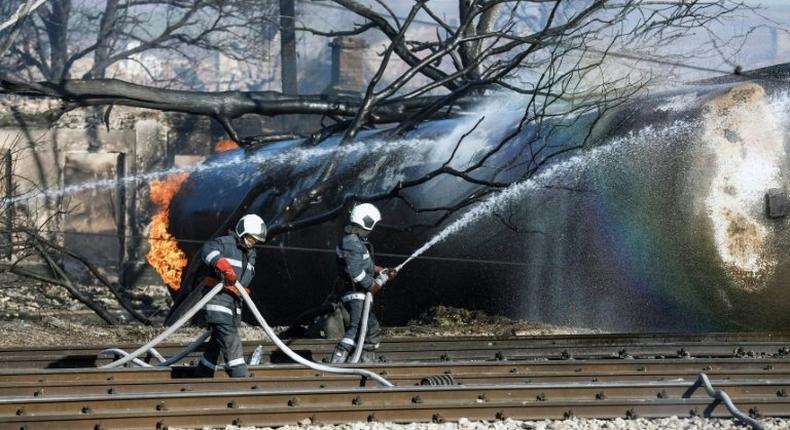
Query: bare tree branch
column 15, row 22
column 222, row 106
column 113, row 287
column 23, row 11
column 554, row 53
column 66, row 283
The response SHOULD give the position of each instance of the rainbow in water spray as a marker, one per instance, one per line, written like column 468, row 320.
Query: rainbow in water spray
column 516, row 189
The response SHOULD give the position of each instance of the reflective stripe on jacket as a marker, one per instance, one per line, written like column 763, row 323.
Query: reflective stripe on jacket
column 241, row 259
column 355, row 262
column 225, row 308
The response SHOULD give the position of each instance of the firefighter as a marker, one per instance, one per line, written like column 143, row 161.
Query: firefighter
column 228, row 259
column 358, row 274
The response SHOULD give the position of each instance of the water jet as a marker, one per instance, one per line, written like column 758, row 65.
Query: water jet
column 658, row 222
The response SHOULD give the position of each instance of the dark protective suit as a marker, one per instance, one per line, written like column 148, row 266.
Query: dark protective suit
column 356, row 270
column 223, row 312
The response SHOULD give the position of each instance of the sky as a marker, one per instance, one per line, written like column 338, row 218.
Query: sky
column 768, row 41
column 767, row 44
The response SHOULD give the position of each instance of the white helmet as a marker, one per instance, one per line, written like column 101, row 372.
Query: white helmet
column 365, row 215
column 253, row 225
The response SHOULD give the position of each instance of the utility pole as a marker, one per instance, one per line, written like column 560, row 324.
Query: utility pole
column 288, row 59
column 288, row 47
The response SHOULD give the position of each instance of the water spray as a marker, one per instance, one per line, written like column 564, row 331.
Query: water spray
column 472, row 215
column 363, row 325
column 289, row 157
column 495, row 201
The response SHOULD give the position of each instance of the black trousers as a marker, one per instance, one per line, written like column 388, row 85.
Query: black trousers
column 225, row 338
column 373, row 335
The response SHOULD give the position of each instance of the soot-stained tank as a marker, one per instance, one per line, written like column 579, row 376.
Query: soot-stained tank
column 654, row 220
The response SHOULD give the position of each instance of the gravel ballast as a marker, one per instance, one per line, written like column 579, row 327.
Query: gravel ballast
column 671, row 423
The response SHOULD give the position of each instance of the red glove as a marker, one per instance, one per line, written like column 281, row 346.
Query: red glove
column 227, row 272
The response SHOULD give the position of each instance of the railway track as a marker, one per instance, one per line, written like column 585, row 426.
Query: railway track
column 142, row 380
column 723, row 345
column 400, row 404
column 519, row 383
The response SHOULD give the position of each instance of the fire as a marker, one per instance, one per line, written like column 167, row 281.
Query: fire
column 225, row 145
column 164, row 254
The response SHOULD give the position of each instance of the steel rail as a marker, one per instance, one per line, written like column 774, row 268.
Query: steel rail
column 621, row 339
column 400, row 404
column 219, row 418
column 41, row 405
column 582, row 368
column 397, row 344
column 60, row 388
column 481, row 350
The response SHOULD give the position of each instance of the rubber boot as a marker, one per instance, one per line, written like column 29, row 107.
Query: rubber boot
column 202, row 371
column 239, row 371
column 340, row 355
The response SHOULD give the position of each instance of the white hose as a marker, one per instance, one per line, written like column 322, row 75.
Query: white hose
column 156, row 355
column 298, row 358
column 162, row 361
column 121, row 353
column 363, row 328
column 181, row 321
column 269, row 332
column 191, row 347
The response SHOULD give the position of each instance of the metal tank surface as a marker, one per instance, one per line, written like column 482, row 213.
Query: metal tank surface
column 670, row 217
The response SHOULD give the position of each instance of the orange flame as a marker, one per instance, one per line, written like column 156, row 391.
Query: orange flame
column 225, row 145
column 164, row 254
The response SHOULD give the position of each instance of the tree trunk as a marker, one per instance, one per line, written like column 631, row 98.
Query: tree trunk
column 103, row 41
column 57, row 24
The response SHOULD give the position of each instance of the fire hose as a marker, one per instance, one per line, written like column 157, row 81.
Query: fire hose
column 720, row 397
column 298, row 358
column 121, row 353
column 269, row 332
column 363, row 325
column 363, row 328
column 162, row 361
column 177, row 325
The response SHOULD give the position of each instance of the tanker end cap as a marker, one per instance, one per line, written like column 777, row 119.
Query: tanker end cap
column 777, row 205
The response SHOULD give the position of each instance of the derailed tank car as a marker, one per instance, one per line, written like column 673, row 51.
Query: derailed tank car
column 654, row 220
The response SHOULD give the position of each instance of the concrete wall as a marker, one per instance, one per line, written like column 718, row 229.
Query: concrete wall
column 91, row 201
